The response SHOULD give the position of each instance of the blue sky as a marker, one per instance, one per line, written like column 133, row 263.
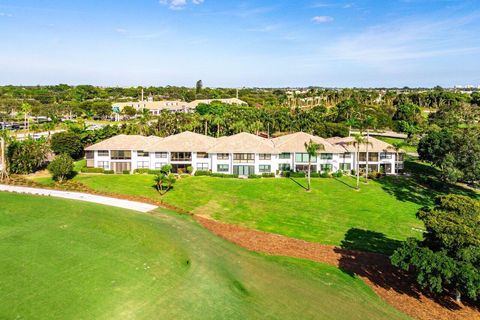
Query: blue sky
column 228, row 43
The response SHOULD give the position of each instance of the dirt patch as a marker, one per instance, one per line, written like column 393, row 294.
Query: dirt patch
column 393, row 285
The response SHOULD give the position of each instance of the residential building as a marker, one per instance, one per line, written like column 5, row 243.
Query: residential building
column 241, row 154
column 155, row 107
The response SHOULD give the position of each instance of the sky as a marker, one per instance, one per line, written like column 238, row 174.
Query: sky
column 251, row 43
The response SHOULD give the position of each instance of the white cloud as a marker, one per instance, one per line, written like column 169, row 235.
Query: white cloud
column 179, row 4
column 8, row 15
column 322, row 19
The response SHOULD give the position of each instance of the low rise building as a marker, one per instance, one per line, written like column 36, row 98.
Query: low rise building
column 242, row 154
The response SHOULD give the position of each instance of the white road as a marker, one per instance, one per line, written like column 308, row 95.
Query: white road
column 125, row 204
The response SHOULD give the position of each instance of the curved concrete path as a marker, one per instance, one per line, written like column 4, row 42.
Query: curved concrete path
column 125, row 204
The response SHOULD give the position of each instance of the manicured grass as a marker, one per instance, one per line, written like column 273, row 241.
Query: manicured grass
column 62, row 259
column 332, row 212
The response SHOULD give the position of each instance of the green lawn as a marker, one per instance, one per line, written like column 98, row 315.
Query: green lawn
column 61, row 259
column 332, row 212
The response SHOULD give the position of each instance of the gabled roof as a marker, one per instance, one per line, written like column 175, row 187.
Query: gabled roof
column 295, row 142
column 375, row 145
column 184, row 142
column 243, row 143
column 234, row 101
column 125, row 142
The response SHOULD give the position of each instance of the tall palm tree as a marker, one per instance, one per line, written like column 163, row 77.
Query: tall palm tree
column 26, row 109
column 369, row 122
column 218, row 121
column 312, row 149
column 359, row 140
column 352, row 122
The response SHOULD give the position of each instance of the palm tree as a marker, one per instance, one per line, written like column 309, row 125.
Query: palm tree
column 218, row 121
column 352, row 122
column 162, row 178
column 26, row 109
column 312, row 149
column 368, row 123
column 359, row 139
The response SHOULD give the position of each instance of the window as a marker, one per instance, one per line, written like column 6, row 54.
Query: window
column 373, row 156
column 304, row 168
column 223, row 156
column 326, row 167
column 303, row 157
column 181, row 156
column 244, row 157
column 265, row 156
column 202, row 166
column 142, row 165
column 159, row 165
column 347, row 155
column 161, row 155
column 102, row 153
column 399, row 166
column 222, row 168
column 141, row 153
column 385, row 155
column 400, row 156
column 264, row 168
column 284, row 167
column 104, row 164
column 202, row 155
column 121, row 155
column 362, row 156
column 89, row 154
column 345, row 166
column 284, row 155
column 326, row 156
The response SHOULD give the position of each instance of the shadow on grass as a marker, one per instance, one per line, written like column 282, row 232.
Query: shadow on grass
column 366, row 240
column 298, row 183
column 376, row 267
column 421, row 186
column 344, row 183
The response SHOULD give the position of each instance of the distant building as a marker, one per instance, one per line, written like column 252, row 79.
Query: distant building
column 155, row 107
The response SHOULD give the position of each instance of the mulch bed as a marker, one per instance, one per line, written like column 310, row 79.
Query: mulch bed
column 393, row 285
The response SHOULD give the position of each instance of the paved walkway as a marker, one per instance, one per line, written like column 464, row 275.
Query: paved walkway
column 125, row 204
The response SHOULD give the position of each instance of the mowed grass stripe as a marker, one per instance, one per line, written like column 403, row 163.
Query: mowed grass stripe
column 61, row 259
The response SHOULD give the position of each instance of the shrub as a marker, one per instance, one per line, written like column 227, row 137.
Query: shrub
column 108, row 172
column 286, row 174
column 314, row 175
column 352, row 172
column 141, row 171
column 254, row 176
column 61, row 167
column 92, row 170
column 67, row 142
column 202, row 173
column 338, row 174
column 298, row 174
column 325, row 174
column 374, row 175
column 150, row 171
column 268, row 175
column 26, row 156
column 189, row 169
column 166, row 168
column 224, row 175
column 126, row 172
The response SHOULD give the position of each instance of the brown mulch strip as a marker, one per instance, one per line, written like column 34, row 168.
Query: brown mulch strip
column 393, row 285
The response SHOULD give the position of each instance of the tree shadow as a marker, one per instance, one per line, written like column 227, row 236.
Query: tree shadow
column 298, row 183
column 376, row 267
column 421, row 186
column 344, row 183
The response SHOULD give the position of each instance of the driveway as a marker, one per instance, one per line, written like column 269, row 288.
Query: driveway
column 113, row 202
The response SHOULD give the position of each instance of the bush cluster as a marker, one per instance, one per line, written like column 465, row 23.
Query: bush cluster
column 92, row 170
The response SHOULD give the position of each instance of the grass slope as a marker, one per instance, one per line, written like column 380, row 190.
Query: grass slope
column 330, row 214
column 62, row 259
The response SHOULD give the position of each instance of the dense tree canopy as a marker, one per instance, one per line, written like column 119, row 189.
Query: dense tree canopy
column 67, row 143
column 449, row 256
